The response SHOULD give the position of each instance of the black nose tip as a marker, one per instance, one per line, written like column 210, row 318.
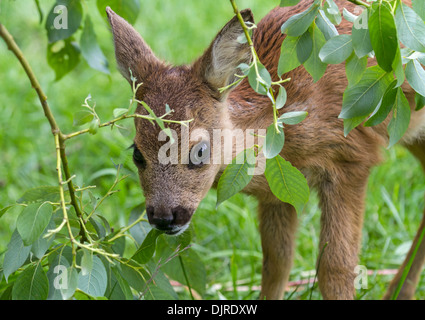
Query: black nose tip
column 163, row 223
column 160, row 219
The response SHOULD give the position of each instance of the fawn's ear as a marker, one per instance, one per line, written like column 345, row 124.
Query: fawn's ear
column 219, row 63
column 131, row 51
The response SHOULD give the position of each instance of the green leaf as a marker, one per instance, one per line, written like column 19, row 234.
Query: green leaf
column 86, row 262
column 40, row 11
column 31, row 284
column 332, row 12
column 5, row 209
column 383, row 36
column 299, row 23
column 94, row 283
column 337, row 49
column 140, row 230
column 293, row 117
column 281, row 98
column 314, row 66
column 128, row 9
column 61, row 24
column 419, row 7
column 82, row 117
column 287, row 183
column 146, row 250
column 94, row 126
column 236, row 176
column 63, row 279
column 133, row 277
column 16, row 254
column 63, row 57
column 350, row 124
column 400, row 119
column 33, row 220
column 326, row 26
column 118, row 112
column 360, row 35
column 119, row 246
column 243, row 67
column 90, row 49
column 40, row 246
column 420, row 101
column 415, row 75
column 410, row 27
column 194, row 269
column 57, row 274
column 68, row 289
column 160, row 288
column 289, row 3
column 41, row 194
column 384, row 109
column 355, row 68
column 274, row 142
column 348, row 15
column 361, row 99
column 263, row 82
column 288, row 57
column 398, row 68
column 182, row 240
column 304, row 47
column 118, row 287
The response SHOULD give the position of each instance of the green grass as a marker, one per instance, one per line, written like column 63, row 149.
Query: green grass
column 227, row 239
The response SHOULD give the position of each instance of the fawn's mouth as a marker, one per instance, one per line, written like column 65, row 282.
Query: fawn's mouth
column 177, row 230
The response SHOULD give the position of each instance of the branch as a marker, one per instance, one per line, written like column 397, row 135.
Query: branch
column 242, row 22
column 12, row 46
column 123, row 117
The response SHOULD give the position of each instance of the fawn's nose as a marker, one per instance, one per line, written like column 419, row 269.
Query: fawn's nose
column 172, row 221
column 160, row 219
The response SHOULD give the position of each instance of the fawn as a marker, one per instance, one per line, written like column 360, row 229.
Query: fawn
column 337, row 166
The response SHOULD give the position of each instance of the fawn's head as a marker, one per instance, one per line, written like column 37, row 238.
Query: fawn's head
column 174, row 191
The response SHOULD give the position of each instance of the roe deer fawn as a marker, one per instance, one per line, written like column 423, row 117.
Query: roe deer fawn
column 337, row 166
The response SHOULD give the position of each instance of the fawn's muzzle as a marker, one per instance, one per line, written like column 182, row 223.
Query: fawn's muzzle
column 172, row 221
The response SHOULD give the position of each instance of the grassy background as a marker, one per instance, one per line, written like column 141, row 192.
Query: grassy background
column 227, row 239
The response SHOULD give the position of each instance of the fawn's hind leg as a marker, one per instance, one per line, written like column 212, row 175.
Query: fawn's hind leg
column 408, row 290
column 278, row 223
column 341, row 193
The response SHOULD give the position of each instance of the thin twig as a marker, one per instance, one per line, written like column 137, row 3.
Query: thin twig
column 62, row 196
column 123, row 117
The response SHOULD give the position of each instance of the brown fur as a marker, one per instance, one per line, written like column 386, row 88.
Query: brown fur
column 337, row 166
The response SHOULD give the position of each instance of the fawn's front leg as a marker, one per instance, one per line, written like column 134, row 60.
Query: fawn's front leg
column 278, row 223
column 342, row 192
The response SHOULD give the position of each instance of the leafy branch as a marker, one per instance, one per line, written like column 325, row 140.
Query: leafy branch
column 238, row 174
column 65, row 178
column 59, row 137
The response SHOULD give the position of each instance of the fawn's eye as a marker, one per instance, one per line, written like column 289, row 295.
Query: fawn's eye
column 199, row 155
column 138, row 158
